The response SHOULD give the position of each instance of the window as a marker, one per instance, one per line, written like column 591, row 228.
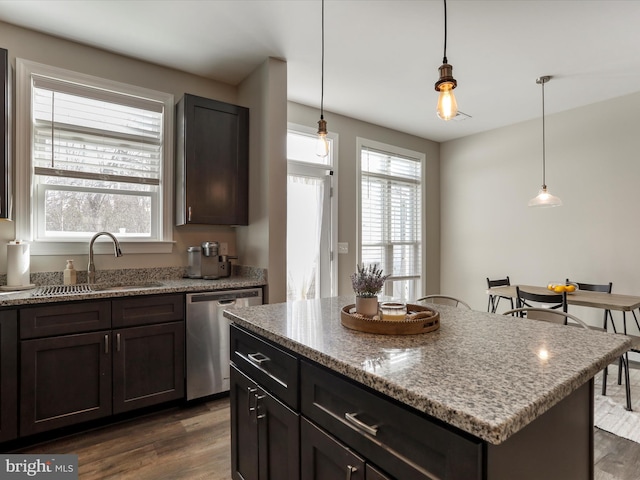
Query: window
column 391, row 215
column 97, row 157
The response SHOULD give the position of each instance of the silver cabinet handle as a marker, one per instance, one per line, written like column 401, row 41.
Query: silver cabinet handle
column 258, row 358
column 250, row 394
column 117, row 342
column 259, row 416
column 106, row 344
column 370, row 429
column 189, row 214
column 350, row 471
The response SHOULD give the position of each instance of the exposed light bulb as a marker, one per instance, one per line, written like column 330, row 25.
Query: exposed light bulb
column 447, row 105
column 322, row 144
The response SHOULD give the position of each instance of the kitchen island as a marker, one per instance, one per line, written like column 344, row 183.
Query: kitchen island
column 501, row 397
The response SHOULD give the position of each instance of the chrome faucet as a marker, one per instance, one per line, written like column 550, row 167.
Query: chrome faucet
column 91, row 269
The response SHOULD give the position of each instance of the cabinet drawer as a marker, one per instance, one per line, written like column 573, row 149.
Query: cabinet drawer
column 272, row 368
column 129, row 312
column 400, row 441
column 64, row 319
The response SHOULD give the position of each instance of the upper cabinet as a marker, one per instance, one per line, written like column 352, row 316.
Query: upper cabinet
column 212, row 162
column 5, row 172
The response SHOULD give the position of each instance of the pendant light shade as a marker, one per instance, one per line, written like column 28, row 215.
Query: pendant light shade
column 447, row 105
column 544, row 197
column 322, row 144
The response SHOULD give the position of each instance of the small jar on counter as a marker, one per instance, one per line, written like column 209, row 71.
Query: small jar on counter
column 393, row 311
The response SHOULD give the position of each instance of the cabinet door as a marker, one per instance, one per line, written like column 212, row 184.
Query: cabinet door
column 324, row 458
column 375, row 474
column 148, row 365
column 212, row 162
column 244, row 426
column 278, row 439
column 8, row 375
column 64, row 380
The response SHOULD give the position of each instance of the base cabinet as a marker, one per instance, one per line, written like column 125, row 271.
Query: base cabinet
column 8, row 375
column 82, row 376
column 148, row 366
column 64, row 380
column 324, row 458
column 265, row 439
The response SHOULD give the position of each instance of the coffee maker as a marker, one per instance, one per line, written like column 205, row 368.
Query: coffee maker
column 204, row 262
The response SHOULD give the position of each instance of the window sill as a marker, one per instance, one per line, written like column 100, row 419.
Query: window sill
column 99, row 247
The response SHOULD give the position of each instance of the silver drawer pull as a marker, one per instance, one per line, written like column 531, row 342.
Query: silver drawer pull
column 259, row 416
column 350, row 471
column 258, row 358
column 250, row 394
column 370, row 429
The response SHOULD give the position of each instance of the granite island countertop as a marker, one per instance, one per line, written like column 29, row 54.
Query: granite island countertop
column 137, row 278
column 480, row 372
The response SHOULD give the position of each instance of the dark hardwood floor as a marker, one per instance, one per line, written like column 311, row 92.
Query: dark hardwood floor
column 192, row 443
column 180, row 443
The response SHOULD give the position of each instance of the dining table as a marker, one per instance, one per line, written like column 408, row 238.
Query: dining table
column 583, row 298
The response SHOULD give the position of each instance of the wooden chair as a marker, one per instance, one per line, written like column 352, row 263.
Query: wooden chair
column 552, row 300
column 492, row 306
column 444, row 300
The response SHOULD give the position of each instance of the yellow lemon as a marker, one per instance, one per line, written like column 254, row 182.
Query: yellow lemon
column 558, row 288
column 551, row 286
column 570, row 288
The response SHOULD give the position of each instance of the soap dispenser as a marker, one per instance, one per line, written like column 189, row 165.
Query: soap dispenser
column 70, row 274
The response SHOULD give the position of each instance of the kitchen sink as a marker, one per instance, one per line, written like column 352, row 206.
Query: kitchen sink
column 84, row 288
column 102, row 287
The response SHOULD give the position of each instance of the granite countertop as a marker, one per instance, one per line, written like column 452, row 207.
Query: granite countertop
column 163, row 281
column 480, row 372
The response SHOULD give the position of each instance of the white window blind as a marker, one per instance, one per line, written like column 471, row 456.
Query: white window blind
column 391, row 218
column 82, row 132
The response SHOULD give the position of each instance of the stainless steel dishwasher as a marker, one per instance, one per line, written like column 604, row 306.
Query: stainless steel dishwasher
column 208, row 338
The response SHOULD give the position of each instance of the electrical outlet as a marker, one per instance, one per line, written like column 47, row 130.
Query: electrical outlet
column 343, row 247
column 224, row 248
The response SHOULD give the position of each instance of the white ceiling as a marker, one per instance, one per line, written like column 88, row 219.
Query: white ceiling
column 381, row 56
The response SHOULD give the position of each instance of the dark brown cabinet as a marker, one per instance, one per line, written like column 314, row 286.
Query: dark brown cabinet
column 148, row 365
column 8, row 375
column 71, row 372
column 346, row 430
column 64, row 380
column 324, row 458
column 5, row 171
column 212, row 162
column 265, row 438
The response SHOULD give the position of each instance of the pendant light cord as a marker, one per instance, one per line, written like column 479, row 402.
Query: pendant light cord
column 444, row 55
column 322, row 69
column 544, row 181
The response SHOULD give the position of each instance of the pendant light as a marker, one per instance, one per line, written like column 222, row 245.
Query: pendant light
column 544, row 198
column 447, row 105
column 322, row 145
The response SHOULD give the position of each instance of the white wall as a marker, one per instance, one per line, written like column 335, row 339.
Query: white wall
column 593, row 165
column 348, row 130
column 263, row 242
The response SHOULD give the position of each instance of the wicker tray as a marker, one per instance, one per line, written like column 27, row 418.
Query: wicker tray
column 423, row 319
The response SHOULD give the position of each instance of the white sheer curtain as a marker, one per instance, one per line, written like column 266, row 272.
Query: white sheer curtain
column 304, row 226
